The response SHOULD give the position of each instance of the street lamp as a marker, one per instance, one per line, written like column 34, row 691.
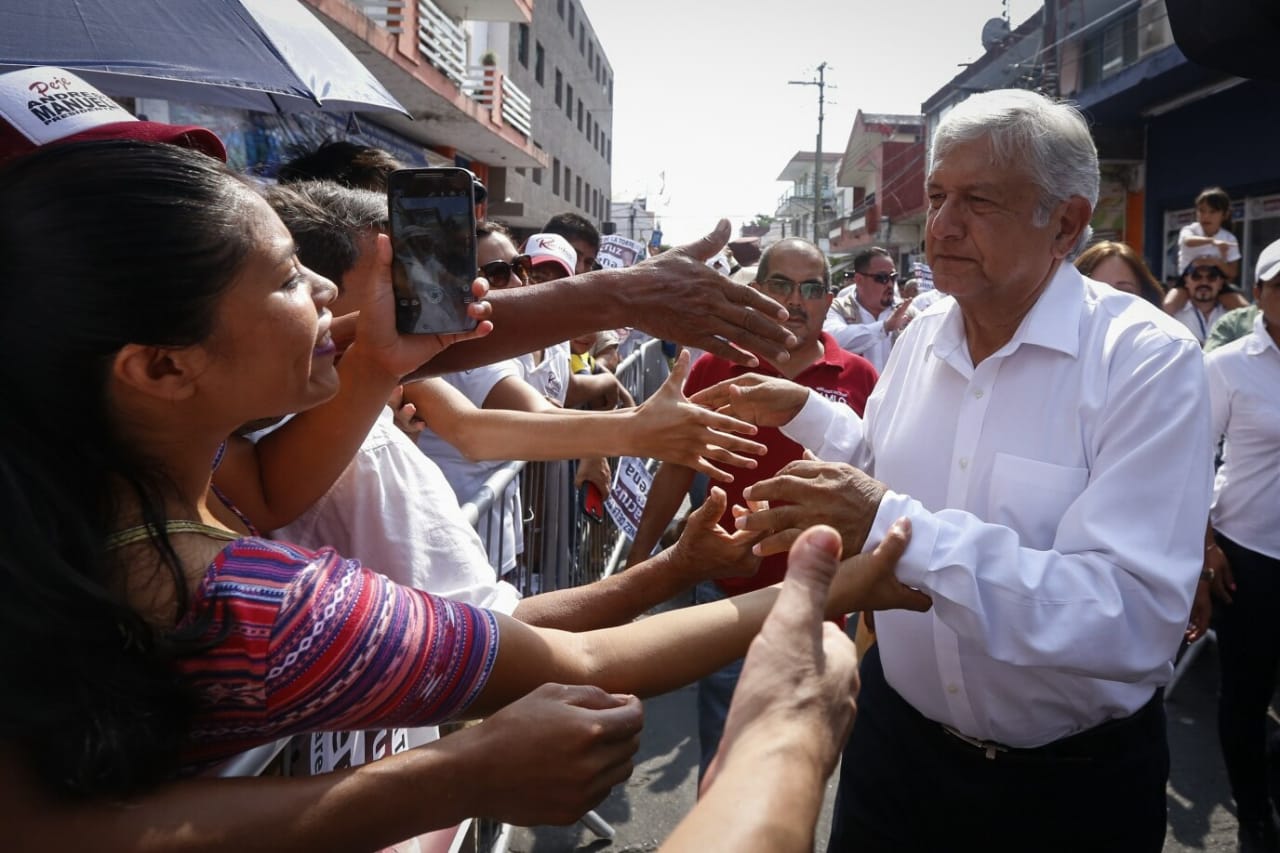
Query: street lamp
column 817, row 157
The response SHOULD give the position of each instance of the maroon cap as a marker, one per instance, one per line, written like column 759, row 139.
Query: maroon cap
column 47, row 106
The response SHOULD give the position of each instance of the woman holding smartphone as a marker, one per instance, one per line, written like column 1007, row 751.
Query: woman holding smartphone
column 155, row 632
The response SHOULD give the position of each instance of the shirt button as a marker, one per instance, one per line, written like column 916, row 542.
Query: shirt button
column 977, row 393
column 953, row 689
column 964, row 463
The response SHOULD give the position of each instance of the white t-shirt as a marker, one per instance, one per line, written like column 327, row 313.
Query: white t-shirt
column 549, row 377
column 498, row 529
column 1186, row 254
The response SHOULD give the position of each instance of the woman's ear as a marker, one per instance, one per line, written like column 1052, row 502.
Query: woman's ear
column 162, row 373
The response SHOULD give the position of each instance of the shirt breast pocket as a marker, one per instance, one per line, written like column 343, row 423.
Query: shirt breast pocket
column 1030, row 496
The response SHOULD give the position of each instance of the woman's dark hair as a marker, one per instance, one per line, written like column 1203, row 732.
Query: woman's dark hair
column 101, row 244
column 1217, row 199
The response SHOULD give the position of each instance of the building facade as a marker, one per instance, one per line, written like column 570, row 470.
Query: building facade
column 557, row 59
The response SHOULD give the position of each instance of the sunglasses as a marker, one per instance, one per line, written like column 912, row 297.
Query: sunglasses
column 499, row 273
column 784, row 287
column 882, row 278
column 1204, row 274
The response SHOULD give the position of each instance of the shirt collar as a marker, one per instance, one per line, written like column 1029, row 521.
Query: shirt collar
column 1053, row 321
column 832, row 356
column 1260, row 340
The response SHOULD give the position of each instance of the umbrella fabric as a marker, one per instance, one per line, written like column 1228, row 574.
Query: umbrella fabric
column 266, row 55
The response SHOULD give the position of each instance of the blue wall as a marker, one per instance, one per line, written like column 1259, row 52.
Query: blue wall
column 1231, row 139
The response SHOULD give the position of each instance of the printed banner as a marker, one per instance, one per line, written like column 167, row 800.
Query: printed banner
column 630, row 488
column 618, row 252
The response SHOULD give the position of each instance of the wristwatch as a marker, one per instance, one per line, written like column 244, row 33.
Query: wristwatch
column 1207, row 575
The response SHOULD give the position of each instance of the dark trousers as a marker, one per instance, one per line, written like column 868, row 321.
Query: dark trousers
column 1249, row 651
column 907, row 785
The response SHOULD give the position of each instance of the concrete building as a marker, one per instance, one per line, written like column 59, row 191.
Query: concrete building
column 556, row 58
column 793, row 216
column 633, row 220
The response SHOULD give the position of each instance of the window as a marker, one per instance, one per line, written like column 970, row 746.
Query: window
column 571, row 19
column 539, row 62
column 559, row 85
column 610, row 90
column 600, row 147
column 568, row 104
column 582, row 39
column 555, row 176
column 537, row 177
column 522, row 45
column 579, row 114
column 520, row 171
column 591, row 55
column 568, row 185
column 589, row 125
column 1111, row 50
column 608, row 157
column 560, row 8
column 577, row 191
column 587, row 196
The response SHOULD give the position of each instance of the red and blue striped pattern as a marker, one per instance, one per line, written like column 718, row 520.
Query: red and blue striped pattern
column 315, row 642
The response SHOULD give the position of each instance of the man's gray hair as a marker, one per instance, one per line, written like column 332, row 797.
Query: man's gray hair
column 1049, row 139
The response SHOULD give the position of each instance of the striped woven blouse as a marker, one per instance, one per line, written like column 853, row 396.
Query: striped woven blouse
column 308, row 641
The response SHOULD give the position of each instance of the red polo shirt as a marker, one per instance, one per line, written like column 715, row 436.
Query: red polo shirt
column 838, row 375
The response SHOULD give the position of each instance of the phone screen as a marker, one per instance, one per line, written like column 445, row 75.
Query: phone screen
column 433, row 237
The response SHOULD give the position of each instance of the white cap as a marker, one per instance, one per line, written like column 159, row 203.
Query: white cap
column 1269, row 262
column 542, row 248
column 1187, row 254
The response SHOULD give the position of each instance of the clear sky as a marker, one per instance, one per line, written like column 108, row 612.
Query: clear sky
column 701, row 94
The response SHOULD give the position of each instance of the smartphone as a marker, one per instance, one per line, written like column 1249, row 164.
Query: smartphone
column 433, row 239
column 592, row 502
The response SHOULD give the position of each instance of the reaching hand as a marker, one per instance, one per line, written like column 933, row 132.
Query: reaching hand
column 714, row 314
column 707, row 551
column 376, row 336
column 900, row 317
column 761, row 400
column 594, row 470
column 867, row 582
column 405, row 414
column 670, row 428
column 809, row 492
column 1224, row 583
column 554, row 754
column 796, row 692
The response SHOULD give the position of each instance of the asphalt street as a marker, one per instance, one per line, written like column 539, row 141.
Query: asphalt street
column 663, row 787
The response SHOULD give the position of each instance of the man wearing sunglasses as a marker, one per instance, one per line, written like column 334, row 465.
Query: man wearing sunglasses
column 795, row 273
column 863, row 318
column 1203, row 279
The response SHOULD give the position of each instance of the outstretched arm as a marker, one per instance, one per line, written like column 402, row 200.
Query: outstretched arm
column 545, row 759
column 665, row 427
column 705, row 551
column 674, row 296
column 791, row 712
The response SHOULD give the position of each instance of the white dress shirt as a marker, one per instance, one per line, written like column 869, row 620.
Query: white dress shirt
column 1244, row 395
column 1195, row 320
column 1057, row 493
column 866, row 336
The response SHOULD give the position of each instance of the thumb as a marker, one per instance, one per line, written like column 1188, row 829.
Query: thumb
column 810, row 456
column 679, row 371
column 704, row 248
column 811, row 566
column 712, row 508
column 589, row 696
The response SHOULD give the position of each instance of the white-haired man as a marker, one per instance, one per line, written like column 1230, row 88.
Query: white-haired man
column 1045, row 436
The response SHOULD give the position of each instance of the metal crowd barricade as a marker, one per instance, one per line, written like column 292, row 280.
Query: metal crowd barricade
column 562, row 548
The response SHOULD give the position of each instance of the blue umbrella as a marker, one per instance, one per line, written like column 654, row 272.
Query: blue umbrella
column 265, row 55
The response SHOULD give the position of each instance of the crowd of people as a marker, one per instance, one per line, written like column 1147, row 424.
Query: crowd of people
column 246, row 526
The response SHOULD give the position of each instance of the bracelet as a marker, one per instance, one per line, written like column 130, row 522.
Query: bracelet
column 1208, row 575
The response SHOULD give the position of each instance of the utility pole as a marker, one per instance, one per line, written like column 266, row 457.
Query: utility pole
column 821, row 83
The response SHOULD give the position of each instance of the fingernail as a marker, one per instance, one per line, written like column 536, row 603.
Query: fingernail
column 740, row 522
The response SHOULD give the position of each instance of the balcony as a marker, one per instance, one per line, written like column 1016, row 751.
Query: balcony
column 512, row 11
column 442, row 42
column 505, row 100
